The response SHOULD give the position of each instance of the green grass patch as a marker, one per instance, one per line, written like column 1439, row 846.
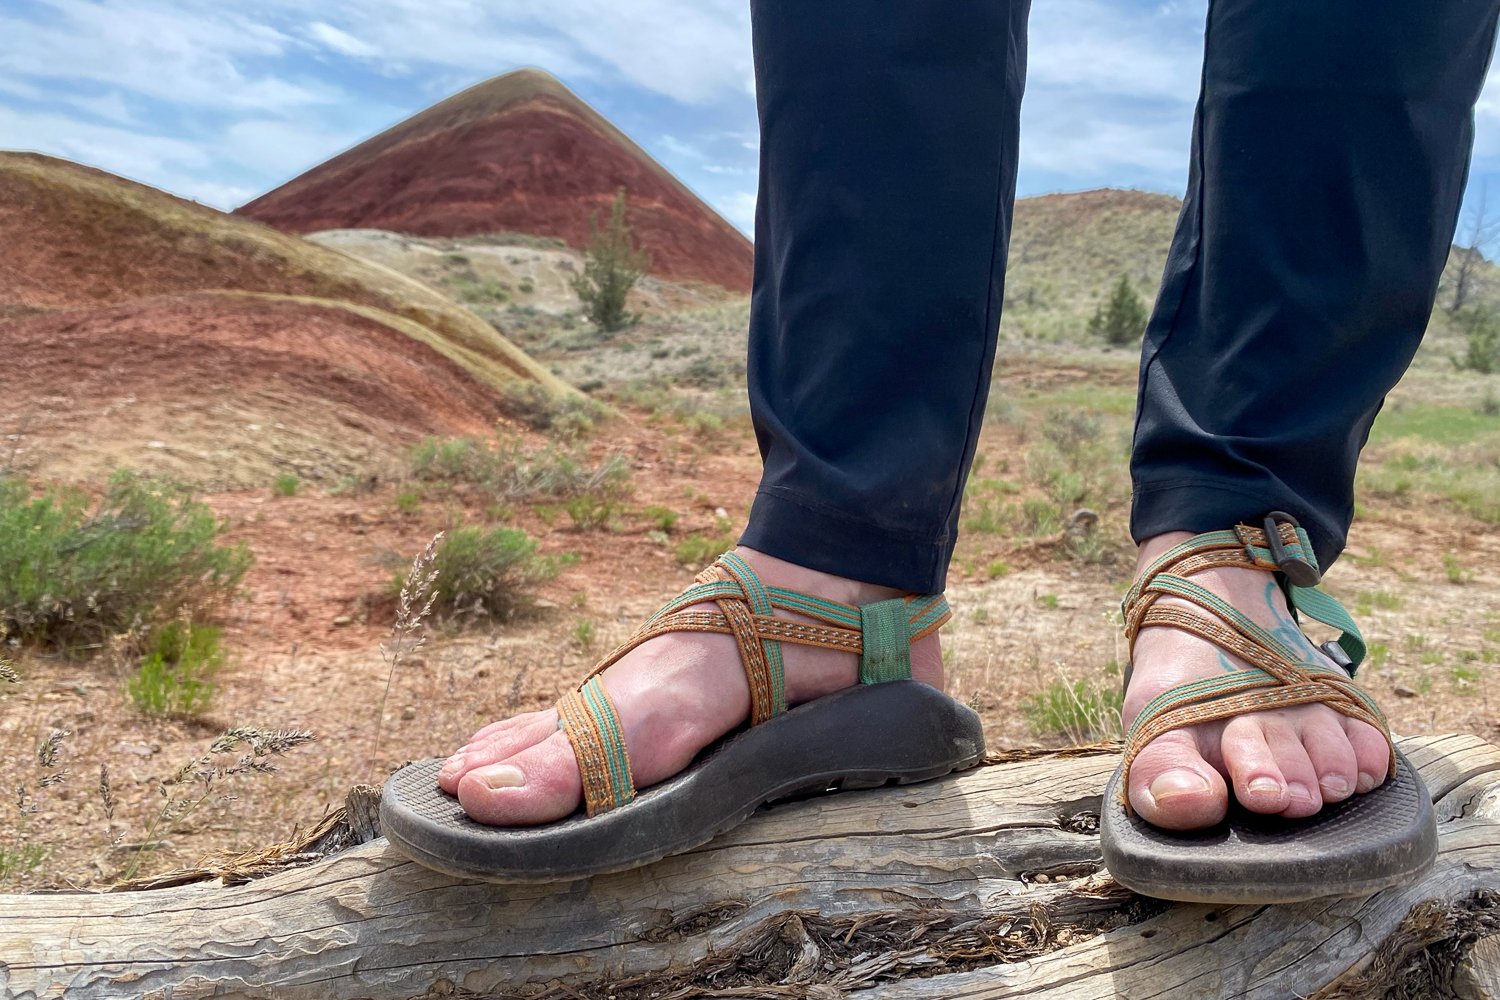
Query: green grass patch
column 286, row 485
column 176, row 676
column 1081, row 711
column 1448, row 425
column 73, row 572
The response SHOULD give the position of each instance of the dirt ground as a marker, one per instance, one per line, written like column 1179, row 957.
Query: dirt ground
column 306, row 648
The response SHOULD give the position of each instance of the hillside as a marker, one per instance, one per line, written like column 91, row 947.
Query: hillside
column 119, row 298
column 518, row 153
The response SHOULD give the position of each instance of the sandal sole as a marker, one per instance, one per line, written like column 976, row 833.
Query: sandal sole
column 899, row 732
column 1368, row 842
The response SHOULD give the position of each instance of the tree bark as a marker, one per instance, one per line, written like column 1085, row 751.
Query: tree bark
column 986, row 884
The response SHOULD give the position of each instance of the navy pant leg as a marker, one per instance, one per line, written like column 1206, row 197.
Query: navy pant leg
column 1330, row 152
column 887, row 174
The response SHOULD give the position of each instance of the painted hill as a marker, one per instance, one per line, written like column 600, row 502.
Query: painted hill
column 149, row 331
column 518, row 153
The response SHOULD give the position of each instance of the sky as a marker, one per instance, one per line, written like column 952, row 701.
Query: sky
column 222, row 102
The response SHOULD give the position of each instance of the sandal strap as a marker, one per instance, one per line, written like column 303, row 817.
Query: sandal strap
column 589, row 718
column 1280, row 674
column 880, row 633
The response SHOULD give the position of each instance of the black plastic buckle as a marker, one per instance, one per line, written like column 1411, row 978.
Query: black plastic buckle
column 1298, row 570
column 1335, row 652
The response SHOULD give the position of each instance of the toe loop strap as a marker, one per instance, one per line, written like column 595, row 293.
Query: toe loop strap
column 592, row 724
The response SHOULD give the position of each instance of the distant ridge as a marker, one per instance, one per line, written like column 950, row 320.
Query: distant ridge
column 522, row 153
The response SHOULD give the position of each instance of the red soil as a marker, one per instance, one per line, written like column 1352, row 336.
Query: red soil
column 73, row 235
column 229, row 386
column 520, row 153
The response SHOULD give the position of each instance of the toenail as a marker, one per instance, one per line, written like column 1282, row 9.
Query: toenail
column 1297, row 790
column 1178, row 782
column 1337, row 786
column 1365, row 783
column 1266, row 786
column 501, row 776
column 452, row 766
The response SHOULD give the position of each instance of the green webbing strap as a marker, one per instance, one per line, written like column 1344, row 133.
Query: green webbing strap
column 1323, row 607
column 887, row 641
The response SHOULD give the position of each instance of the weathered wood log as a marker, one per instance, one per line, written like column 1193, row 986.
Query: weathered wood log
column 986, row 884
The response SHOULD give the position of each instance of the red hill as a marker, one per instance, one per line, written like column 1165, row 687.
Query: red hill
column 518, row 153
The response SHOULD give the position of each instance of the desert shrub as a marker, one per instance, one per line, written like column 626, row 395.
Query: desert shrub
column 1481, row 329
column 515, row 473
column 146, row 552
column 486, row 572
column 176, row 674
column 286, row 485
column 611, row 267
column 1121, row 318
column 569, row 417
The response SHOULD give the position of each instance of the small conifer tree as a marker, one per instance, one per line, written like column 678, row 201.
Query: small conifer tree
column 1120, row 319
column 611, row 266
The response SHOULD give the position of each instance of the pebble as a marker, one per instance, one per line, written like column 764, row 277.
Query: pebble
column 408, row 713
column 1402, row 691
column 342, row 620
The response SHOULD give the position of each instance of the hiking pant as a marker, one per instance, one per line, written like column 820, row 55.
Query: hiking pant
column 1330, row 151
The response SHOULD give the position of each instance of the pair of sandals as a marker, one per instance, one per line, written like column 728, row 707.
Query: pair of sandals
column 890, row 729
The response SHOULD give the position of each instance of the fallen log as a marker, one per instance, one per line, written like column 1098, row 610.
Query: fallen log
column 986, row 884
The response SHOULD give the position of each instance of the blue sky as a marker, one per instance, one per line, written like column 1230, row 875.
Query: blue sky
column 221, row 102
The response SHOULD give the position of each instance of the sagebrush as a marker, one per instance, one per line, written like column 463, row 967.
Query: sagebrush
column 73, row 572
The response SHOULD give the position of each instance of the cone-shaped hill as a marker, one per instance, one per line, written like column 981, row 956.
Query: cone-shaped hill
column 518, row 153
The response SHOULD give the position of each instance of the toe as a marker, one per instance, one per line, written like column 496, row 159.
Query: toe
column 496, row 747
column 1173, row 787
column 1332, row 756
column 537, row 785
column 1259, row 784
column 1372, row 753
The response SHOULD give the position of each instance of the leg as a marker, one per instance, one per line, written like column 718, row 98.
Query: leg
column 880, row 249
column 1330, row 152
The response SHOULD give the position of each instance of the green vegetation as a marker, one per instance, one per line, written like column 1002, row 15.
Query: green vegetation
column 176, row 674
column 698, row 550
column 72, row 573
column 512, row 472
column 486, row 572
column 1081, row 711
column 286, row 485
column 571, row 418
column 1121, row 318
column 1481, row 329
column 612, row 265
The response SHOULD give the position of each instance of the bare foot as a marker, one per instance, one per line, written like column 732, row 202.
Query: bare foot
column 1288, row 761
column 675, row 695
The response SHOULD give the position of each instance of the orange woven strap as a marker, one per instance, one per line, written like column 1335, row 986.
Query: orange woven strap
column 1280, row 675
column 589, row 718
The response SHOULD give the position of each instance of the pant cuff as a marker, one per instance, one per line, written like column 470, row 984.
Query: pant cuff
column 832, row 542
column 1206, row 505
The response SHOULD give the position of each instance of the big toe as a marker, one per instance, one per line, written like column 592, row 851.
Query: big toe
column 1173, row 787
column 537, row 785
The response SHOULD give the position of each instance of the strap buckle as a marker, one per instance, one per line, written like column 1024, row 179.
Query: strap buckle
column 1335, row 652
column 1296, row 567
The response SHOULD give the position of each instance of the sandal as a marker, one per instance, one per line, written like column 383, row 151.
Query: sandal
column 888, row 729
column 1367, row 842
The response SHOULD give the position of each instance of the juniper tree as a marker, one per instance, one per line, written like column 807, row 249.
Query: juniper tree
column 612, row 265
column 1121, row 318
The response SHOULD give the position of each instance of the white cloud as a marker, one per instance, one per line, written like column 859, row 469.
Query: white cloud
column 739, row 209
column 340, row 41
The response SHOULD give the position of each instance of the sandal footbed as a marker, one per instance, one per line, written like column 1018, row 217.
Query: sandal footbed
column 865, row 736
column 1368, row 842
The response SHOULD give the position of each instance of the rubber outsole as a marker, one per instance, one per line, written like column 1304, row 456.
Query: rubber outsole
column 1368, row 842
column 866, row 736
